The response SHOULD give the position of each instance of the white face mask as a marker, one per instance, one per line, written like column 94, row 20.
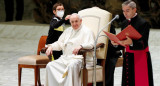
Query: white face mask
column 60, row 13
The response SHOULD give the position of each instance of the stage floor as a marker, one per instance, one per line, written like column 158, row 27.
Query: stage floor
column 18, row 39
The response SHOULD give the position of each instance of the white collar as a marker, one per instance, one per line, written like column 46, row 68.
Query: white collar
column 133, row 16
column 78, row 28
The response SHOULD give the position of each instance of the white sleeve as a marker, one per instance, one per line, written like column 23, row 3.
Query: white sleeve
column 89, row 41
column 59, row 45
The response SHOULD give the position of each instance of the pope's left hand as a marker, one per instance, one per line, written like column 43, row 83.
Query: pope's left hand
column 76, row 50
column 128, row 41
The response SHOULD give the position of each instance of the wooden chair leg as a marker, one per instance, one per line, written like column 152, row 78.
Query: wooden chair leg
column 104, row 83
column 85, row 77
column 36, row 74
column 39, row 79
column 19, row 75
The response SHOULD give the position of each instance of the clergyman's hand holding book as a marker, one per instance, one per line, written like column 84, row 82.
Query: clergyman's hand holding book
column 129, row 31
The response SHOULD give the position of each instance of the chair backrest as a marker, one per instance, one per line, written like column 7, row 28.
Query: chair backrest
column 96, row 19
column 41, row 44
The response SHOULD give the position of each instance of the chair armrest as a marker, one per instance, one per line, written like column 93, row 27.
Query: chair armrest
column 43, row 50
column 84, row 51
column 99, row 45
column 81, row 51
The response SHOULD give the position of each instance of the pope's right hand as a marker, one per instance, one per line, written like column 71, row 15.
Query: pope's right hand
column 49, row 51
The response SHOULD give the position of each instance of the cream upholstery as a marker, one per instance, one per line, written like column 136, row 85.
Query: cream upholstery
column 96, row 19
column 99, row 74
column 33, row 60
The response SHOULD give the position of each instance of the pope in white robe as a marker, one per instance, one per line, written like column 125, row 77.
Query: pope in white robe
column 65, row 71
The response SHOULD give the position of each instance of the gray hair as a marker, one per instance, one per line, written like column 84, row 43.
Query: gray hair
column 130, row 3
column 76, row 15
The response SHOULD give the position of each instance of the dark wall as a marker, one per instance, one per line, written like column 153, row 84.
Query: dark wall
column 27, row 14
column 149, row 9
column 41, row 10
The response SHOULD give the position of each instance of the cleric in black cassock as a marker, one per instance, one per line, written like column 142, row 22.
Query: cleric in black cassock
column 137, row 66
column 139, row 47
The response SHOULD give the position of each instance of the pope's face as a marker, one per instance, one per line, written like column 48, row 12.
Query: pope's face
column 75, row 22
column 128, row 11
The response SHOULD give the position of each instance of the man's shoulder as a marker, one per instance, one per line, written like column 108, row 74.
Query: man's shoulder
column 87, row 29
column 142, row 21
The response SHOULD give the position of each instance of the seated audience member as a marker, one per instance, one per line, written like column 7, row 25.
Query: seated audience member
column 65, row 71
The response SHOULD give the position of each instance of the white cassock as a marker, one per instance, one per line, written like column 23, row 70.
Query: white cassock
column 68, row 41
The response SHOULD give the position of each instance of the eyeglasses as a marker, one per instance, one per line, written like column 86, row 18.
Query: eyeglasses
column 60, row 9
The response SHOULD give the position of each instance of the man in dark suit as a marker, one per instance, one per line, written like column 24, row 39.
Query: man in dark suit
column 113, row 54
column 137, row 66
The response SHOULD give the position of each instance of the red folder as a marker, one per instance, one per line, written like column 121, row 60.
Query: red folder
column 113, row 38
column 128, row 31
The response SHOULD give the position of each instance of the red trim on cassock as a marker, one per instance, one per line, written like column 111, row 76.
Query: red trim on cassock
column 140, row 66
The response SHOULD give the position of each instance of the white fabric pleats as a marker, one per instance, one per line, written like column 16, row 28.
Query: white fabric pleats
column 68, row 62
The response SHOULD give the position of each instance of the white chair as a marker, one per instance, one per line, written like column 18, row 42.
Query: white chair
column 96, row 19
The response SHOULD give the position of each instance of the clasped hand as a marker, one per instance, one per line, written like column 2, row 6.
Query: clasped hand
column 128, row 41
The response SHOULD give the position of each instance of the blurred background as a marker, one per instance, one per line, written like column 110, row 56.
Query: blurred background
column 22, row 22
column 41, row 10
